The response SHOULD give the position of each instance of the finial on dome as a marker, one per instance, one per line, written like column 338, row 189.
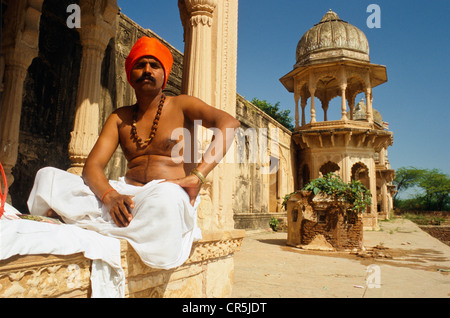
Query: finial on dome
column 329, row 16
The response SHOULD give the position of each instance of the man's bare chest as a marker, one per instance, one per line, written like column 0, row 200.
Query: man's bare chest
column 167, row 132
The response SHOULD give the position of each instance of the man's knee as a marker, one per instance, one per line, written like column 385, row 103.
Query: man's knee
column 46, row 172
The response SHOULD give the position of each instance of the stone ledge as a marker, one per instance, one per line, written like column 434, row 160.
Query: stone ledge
column 207, row 273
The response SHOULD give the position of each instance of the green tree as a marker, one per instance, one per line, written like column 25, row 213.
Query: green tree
column 434, row 186
column 407, row 177
column 281, row 116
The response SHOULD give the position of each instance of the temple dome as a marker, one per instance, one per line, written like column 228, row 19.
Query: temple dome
column 332, row 39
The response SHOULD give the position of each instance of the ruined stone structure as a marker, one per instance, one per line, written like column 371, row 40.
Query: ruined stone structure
column 322, row 223
column 333, row 60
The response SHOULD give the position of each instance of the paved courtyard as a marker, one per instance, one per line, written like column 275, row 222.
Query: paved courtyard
column 409, row 263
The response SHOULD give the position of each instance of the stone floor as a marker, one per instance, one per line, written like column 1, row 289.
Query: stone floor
column 400, row 261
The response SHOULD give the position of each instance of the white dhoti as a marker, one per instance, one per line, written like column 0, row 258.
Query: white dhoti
column 164, row 223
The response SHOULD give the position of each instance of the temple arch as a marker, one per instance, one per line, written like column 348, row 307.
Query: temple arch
column 360, row 172
column 329, row 167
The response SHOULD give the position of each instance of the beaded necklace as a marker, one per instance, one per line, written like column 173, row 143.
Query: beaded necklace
column 134, row 134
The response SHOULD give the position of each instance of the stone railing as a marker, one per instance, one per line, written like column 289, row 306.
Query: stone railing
column 207, row 273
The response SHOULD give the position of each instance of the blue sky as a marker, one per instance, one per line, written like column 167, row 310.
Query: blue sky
column 413, row 43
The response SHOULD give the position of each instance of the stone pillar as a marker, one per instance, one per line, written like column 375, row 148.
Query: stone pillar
column 20, row 38
column 198, row 54
column 325, row 110
column 224, row 72
column 210, row 33
column 343, row 87
column 369, row 112
column 303, row 106
column 297, row 115
column 98, row 26
column 351, row 105
column 312, row 90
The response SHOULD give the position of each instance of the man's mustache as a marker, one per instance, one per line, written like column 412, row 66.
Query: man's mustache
column 146, row 77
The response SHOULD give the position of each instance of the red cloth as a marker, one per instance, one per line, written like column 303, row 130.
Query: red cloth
column 146, row 46
column 3, row 196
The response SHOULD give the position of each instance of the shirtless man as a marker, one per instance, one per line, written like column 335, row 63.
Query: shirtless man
column 153, row 160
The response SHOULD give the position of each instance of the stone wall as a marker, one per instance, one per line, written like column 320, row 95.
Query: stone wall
column 259, row 190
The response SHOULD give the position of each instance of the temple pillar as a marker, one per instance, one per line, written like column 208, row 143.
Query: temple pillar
column 210, row 66
column 297, row 115
column 20, row 45
column 210, row 34
column 312, row 90
column 303, row 106
column 343, row 87
column 197, row 77
column 325, row 110
column 369, row 111
column 98, row 26
column 351, row 105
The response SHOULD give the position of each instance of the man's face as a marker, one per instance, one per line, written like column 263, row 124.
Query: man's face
column 147, row 74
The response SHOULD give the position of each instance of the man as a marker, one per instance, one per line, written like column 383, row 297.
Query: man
column 154, row 206
column 147, row 162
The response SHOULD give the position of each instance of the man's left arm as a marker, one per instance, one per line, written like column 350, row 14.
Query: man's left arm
column 224, row 126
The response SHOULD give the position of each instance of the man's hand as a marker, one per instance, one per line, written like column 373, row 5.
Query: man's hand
column 191, row 184
column 119, row 207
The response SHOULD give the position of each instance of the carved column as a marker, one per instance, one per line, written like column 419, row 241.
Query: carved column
column 351, row 105
column 369, row 112
column 343, row 87
column 325, row 110
column 210, row 34
column 198, row 59
column 98, row 26
column 20, row 38
column 297, row 115
column 303, row 106
column 197, row 17
column 312, row 90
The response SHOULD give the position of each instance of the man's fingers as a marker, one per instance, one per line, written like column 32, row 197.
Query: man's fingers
column 125, row 213
column 117, row 217
column 129, row 201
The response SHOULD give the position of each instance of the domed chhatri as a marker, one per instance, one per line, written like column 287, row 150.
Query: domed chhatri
column 333, row 60
column 332, row 39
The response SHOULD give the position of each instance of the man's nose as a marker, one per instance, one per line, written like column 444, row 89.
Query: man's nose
column 147, row 68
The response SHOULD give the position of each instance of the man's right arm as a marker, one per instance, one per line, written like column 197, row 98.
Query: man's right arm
column 94, row 175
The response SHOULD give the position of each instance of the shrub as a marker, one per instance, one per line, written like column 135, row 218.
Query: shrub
column 354, row 192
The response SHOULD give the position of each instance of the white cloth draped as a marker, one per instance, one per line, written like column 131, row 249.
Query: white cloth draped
column 26, row 237
column 164, row 224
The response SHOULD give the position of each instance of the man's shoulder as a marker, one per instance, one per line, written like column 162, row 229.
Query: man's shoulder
column 184, row 100
column 121, row 114
column 124, row 110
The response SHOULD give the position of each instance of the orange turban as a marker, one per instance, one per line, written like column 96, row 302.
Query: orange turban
column 146, row 46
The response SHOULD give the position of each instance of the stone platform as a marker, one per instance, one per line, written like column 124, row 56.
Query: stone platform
column 207, row 273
